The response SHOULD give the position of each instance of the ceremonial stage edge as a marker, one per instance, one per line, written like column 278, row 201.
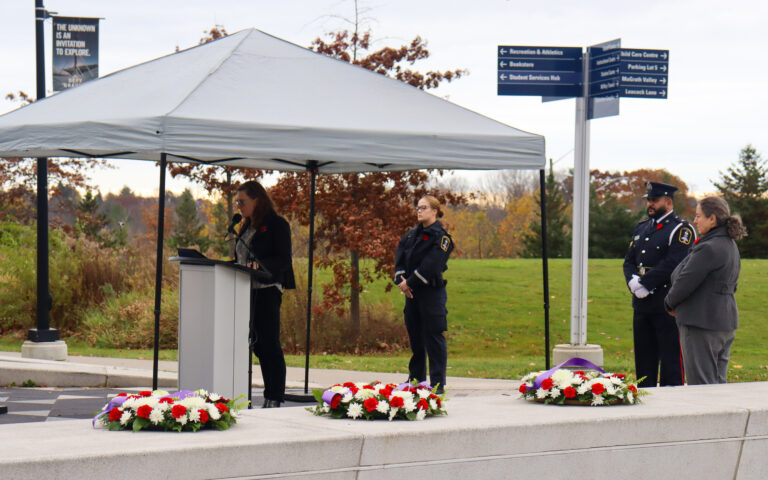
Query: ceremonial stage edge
column 702, row 432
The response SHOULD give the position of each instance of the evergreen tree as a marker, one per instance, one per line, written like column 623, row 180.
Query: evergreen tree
column 609, row 220
column 188, row 229
column 558, row 223
column 744, row 187
column 90, row 221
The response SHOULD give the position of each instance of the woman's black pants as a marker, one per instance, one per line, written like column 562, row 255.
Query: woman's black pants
column 265, row 340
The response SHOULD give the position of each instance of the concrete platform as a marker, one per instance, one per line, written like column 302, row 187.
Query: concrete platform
column 703, row 432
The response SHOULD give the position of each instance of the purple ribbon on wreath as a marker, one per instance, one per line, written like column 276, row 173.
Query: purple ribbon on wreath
column 119, row 400
column 573, row 362
column 406, row 385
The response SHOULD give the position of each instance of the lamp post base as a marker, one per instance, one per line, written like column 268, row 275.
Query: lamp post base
column 56, row 350
column 566, row 351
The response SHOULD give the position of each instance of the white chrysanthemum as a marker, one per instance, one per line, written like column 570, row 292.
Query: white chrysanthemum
column 129, row 403
column 193, row 403
column 355, row 410
column 610, row 390
column 597, row 400
column 125, row 417
column 584, row 388
column 213, row 412
column 392, row 413
column 202, row 393
column 182, row 419
column 616, row 381
column 382, row 406
column 562, row 378
column 156, row 416
column 360, row 385
column 364, row 394
column 347, row 397
column 433, row 404
column 541, row 393
column 194, row 415
column 421, row 415
column 403, row 394
column 530, row 376
column 339, row 389
column 620, row 395
column 409, row 405
column 214, row 397
column 234, row 414
column 163, row 407
column 630, row 397
column 423, row 392
column 554, row 392
column 151, row 401
column 160, row 393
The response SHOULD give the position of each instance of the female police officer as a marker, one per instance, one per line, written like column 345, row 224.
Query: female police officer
column 419, row 265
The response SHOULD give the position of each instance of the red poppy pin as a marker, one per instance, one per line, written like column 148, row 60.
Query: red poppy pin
column 659, row 226
column 263, row 228
column 425, row 237
column 696, row 241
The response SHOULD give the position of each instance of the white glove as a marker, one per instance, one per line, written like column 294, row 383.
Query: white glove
column 641, row 292
column 634, row 284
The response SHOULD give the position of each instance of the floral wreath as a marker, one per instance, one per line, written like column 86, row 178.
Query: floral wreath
column 563, row 386
column 375, row 400
column 159, row 410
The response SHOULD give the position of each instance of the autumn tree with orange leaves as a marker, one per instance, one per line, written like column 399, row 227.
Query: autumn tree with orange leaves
column 363, row 215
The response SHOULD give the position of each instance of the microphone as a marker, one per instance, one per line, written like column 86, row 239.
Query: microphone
column 236, row 218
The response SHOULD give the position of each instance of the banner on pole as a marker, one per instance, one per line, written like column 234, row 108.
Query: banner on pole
column 75, row 51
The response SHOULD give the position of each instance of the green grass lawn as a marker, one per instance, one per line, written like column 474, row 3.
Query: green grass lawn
column 496, row 321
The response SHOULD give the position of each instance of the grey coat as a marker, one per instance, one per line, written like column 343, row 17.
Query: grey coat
column 703, row 284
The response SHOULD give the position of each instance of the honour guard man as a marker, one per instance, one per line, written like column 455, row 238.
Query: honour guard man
column 657, row 246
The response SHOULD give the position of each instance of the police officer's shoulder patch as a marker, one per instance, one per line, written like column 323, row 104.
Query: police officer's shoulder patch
column 686, row 235
column 445, row 243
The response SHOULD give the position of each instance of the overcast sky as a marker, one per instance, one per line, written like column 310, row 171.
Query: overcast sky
column 718, row 78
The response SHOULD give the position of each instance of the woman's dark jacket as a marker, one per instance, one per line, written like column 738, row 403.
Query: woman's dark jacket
column 704, row 283
column 271, row 247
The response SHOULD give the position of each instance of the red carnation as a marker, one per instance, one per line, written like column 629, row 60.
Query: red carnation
column 368, row 387
column 168, row 400
column 115, row 414
column 396, row 402
column 371, row 404
column 145, row 393
column 598, row 388
column 222, row 408
column 569, row 392
column 523, row 388
column 386, row 391
column 633, row 389
column 335, row 400
column 354, row 389
column 122, row 394
column 547, row 383
column 144, row 411
column 579, row 372
column 349, row 384
column 178, row 411
column 436, row 398
column 422, row 405
column 203, row 415
column 425, row 237
column 619, row 375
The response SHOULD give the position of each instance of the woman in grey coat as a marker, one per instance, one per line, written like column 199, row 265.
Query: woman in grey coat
column 702, row 294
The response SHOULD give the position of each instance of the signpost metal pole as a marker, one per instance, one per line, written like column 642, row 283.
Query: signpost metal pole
column 580, row 218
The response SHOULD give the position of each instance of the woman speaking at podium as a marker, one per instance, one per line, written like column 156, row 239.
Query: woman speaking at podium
column 264, row 242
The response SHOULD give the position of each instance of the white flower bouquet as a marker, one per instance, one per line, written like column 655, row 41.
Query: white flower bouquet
column 407, row 401
column 159, row 410
column 567, row 387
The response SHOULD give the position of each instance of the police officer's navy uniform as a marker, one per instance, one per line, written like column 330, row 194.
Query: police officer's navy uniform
column 420, row 260
column 657, row 246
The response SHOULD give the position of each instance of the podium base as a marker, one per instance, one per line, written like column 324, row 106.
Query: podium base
column 563, row 352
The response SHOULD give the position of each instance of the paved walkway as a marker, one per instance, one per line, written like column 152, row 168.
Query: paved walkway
column 80, row 386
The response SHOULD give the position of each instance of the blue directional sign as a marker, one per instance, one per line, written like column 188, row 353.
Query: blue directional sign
column 547, row 71
column 644, row 73
column 604, row 79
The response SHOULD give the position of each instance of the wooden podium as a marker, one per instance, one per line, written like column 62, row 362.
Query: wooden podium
column 214, row 317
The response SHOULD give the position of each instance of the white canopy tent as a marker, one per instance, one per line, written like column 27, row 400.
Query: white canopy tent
column 253, row 100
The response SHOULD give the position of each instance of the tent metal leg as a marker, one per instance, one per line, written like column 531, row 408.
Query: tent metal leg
column 544, row 264
column 159, row 267
column 312, row 167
